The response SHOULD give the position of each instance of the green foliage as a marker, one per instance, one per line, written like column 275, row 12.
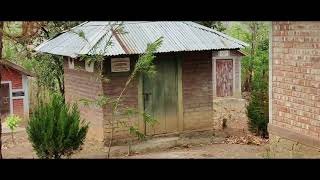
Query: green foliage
column 148, row 119
column 238, row 31
column 81, row 34
column 256, row 62
column 55, row 129
column 92, row 58
column 217, row 25
column 258, row 113
column 145, row 62
column 13, row 122
column 255, row 71
column 135, row 132
column 53, row 28
column 47, row 68
column 49, row 71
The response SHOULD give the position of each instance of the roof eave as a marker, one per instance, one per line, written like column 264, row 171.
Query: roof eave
column 16, row 67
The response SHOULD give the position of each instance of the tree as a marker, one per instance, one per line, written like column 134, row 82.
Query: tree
column 255, row 72
column 21, row 37
column 1, row 36
column 257, row 35
column 217, row 25
column 55, row 129
column 49, row 68
column 15, row 40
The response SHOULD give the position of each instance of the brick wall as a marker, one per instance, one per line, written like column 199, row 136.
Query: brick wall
column 13, row 76
column 113, row 88
column 18, row 107
column 197, row 90
column 296, row 78
column 80, row 84
column 196, row 94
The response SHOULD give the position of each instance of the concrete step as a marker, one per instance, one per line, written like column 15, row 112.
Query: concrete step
column 151, row 145
column 155, row 144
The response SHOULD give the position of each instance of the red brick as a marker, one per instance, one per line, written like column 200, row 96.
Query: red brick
column 296, row 82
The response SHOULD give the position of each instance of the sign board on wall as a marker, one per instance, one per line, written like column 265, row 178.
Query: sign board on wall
column 223, row 53
column 120, row 64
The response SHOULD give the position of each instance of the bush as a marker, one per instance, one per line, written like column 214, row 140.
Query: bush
column 55, row 130
column 258, row 113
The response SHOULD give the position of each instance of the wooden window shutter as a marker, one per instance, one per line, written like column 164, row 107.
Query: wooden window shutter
column 224, row 80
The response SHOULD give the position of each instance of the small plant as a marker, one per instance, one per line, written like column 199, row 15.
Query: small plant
column 13, row 122
column 55, row 129
column 134, row 131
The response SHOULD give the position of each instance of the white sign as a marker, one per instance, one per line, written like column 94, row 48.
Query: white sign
column 224, row 53
column 120, row 64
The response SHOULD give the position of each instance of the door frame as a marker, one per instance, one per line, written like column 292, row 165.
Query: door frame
column 10, row 94
column 233, row 76
column 214, row 75
column 141, row 123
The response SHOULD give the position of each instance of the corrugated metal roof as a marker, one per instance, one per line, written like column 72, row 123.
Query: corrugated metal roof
column 177, row 36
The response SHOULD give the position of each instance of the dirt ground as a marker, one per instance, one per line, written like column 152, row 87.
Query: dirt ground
column 214, row 151
column 21, row 148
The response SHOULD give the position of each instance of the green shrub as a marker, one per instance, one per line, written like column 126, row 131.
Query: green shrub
column 258, row 113
column 13, row 122
column 55, row 129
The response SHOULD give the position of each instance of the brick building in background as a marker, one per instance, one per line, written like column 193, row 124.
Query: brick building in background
column 295, row 84
column 14, row 90
column 197, row 68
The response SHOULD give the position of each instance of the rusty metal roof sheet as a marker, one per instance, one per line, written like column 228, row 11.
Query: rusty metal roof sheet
column 177, row 36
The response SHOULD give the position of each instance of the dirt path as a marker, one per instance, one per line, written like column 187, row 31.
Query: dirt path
column 208, row 151
column 20, row 148
column 23, row 149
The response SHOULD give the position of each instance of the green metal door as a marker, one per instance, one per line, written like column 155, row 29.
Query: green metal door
column 161, row 96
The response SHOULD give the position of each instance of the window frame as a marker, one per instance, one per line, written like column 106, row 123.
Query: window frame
column 236, row 90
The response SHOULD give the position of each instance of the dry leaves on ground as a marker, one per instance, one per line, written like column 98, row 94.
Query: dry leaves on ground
column 248, row 139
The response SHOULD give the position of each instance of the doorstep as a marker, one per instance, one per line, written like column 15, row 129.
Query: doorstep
column 151, row 145
column 160, row 144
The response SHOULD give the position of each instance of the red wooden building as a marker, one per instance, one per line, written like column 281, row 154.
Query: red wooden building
column 14, row 90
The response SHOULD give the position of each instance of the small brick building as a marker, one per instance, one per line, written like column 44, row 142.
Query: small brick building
column 14, row 90
column 295, row 83
column 197, row 68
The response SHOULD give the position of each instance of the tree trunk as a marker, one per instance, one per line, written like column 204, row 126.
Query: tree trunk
column 59, row 76
column 248, row 81
column 0, row 112
column 1, row 35
column 61, row 86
